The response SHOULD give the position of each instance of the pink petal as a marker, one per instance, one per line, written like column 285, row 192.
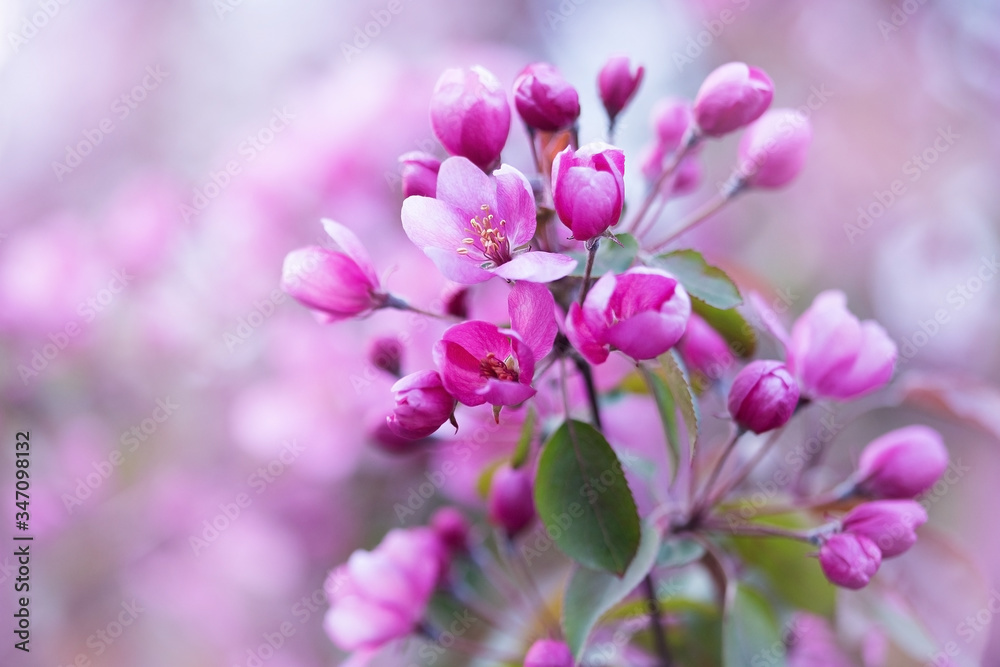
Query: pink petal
column 516, row 204
column 352, row 247
column 536, row 267
column 647, row 335
column 460, row 372
column 431, row 223
column 532, row 315
column 461, row 269
column 356, row 623
column 464, row 186
column 506, row 392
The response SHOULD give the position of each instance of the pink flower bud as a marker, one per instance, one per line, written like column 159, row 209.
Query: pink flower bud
column 731, row 97
column 419, row 172
column 511, row 505
column 833, row 355
column 336, row 284
column 588, row 187
column 703, row 349
column 422, row 405
column 386, row 354
column 890, row 524
column 617, row 84
column 849, row 560
column 902, row 463
column 773, row 150
column 642, row 312
column 381, row 595
column 452, row 528
column 470, row 115
column 763, row 396
column 544, row 99
column 672, row 118
column 548, row 653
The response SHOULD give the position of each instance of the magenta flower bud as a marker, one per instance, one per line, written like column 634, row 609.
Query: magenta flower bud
column 773, row 150
column 642, row 312
column 763, row 396
column 732, row 97
column 833, row 355
column 544, row 99
column 470, row 115
column 548, row 653
column 452, row 528
column 849, row 560
column 510, row 503
column 381, row 595
column 386, row 354
column 902, row 463
column 422, row 405
column 419, row 172
column 618, row 83
column 672, row 118
column 890, row 524
column 703, row 349
column 588, row 187
column 337, row 285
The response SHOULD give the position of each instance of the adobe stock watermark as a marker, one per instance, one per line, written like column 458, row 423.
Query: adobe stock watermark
column 129, row 442
column 713, row 28
column 59, row 340
column 121, row 108
column 103, row 638
column 247, row 151
column 898, row 17
column 230, row 511
column 34, row 23
column 967, row 629
column 913, row 169
column 249, row 323
column 370, row 30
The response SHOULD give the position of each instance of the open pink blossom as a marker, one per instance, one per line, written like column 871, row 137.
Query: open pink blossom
column 479, row 226
column 833, row 355
column 642, row 312
column 337, row 285
column 381, row 595
column 588, row 187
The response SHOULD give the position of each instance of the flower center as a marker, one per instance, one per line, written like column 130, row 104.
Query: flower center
column 492, row 240
column 491, row 367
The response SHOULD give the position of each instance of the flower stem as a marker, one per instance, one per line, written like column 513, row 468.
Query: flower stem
column 702, row 213
column 656, row 623
column 689, row 141
column 706, row 492
column 394, row 301
column 737, row 479
column 588, row 381
column 592, row 246
column 759, row 531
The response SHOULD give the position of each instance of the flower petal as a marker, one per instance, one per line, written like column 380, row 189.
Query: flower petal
column 536, row 267
column 465, row 187
column 516, row 205
column 352, row 247
column 532, row 315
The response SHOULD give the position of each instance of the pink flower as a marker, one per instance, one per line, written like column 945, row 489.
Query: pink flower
column 642, row 312
column 452, row 528
column 763, row 396
column 419, row 172
column 381, row 595
column 511, row 504
column 549, row 653
column 731, row 97
column 588, row 186
column 470, row 115
column 336, row 284
column 544, row 99
column 479, row 226
column 833, row 355
column 618, row 84
column 703, row 349
column 902, row 463
column 672, row 119
column 849, row 560
column 422, row 405
column 481, row 364
column 773, row 150
column 890, row 524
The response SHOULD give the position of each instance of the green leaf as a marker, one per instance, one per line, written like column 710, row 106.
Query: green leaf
column 679, row 552
column 750, row 631
column 591, row 593
column 739, row 334
column 701, row 280
column 584, row 501
column 524, row 441
column 485, row 479
column 610, row 257
column 672, row 393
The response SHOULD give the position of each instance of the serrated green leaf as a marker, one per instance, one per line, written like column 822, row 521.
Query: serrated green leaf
column 592, row 593
column 739, row 334
column 750, row 631
column 524, row 441
column 701, row 280
column 583, row 499
column 610, row 257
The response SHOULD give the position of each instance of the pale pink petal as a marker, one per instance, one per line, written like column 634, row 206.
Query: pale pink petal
column 537, row 267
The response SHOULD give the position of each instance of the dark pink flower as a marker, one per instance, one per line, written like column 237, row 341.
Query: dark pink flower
column 419, row 172
column 479, row 226
column 470, row 115
column 544, row 99
column 452, row 528
column 890, row 524
column 672, row 119
column 773, row 150
column 902, row 463
column 833, row 355
column 335, row 284
column 732, row 96
column 703, row 349
column 642, row 312
column 617, row 84
column 849, row 560
column 588, row 187
column 549, row 653
column 422, row 405
column 381, row 595
column 510, row 503
column 763, row 396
